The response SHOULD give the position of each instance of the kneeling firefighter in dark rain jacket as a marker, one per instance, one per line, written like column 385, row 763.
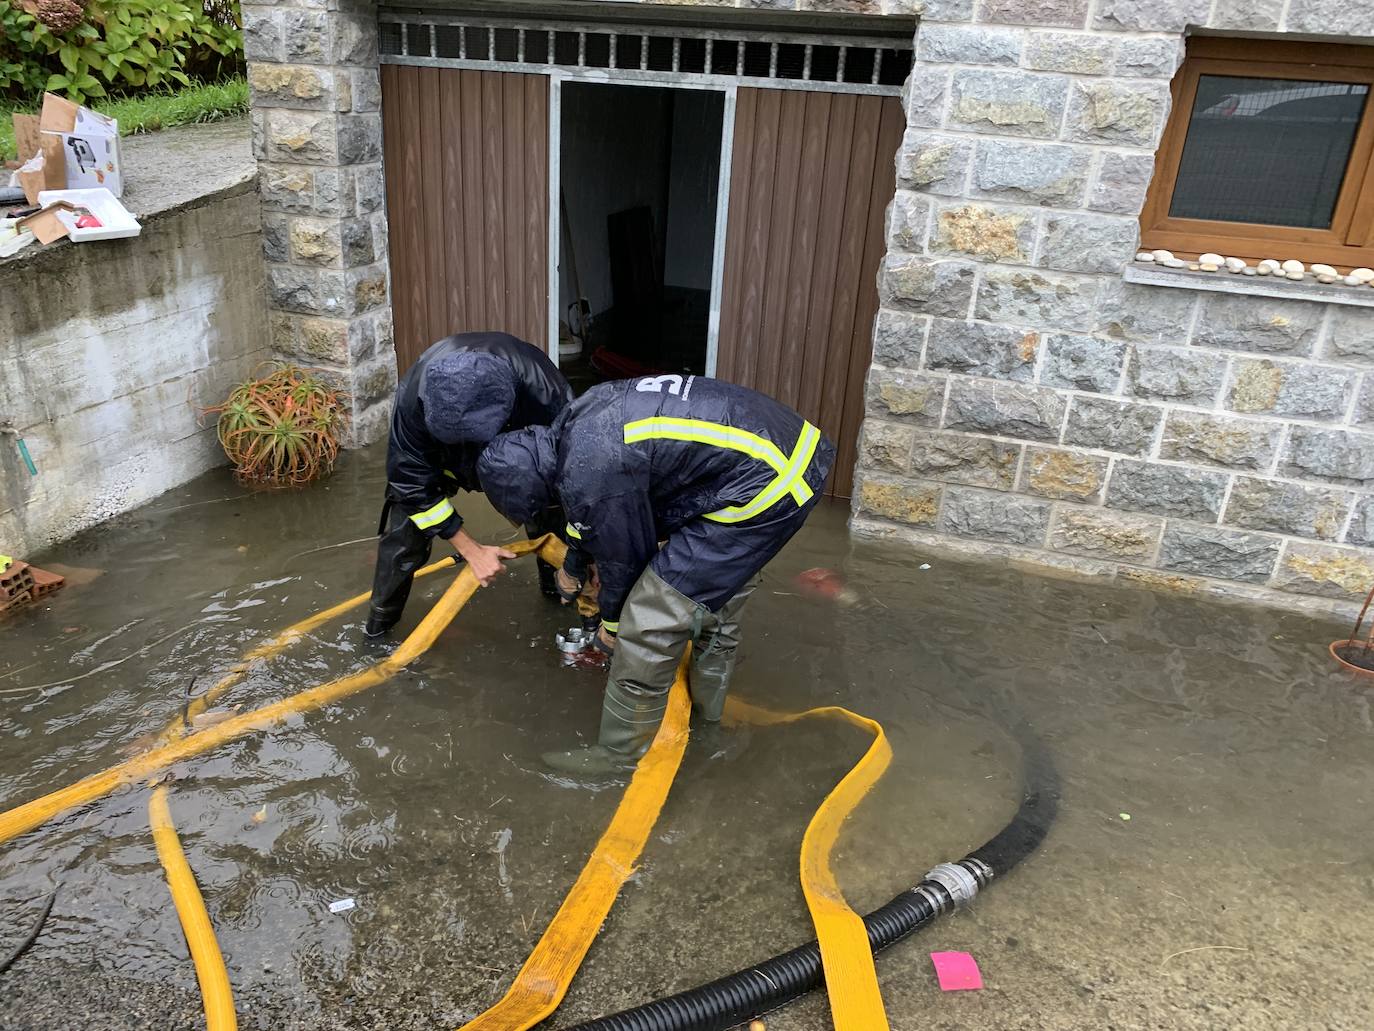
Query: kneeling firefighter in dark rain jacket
column 722, row 473
column 459, row 395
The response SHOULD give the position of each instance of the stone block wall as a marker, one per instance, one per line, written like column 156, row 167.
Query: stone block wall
column 317, row 136
column 1026, row 400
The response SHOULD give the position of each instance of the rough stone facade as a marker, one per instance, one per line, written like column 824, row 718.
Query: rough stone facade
column 1025, row 400
column 317, row 136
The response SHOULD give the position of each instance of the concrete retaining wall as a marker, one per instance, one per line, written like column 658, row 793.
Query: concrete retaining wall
column 107, row 350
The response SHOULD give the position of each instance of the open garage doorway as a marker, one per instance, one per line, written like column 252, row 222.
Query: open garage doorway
column 637, row 228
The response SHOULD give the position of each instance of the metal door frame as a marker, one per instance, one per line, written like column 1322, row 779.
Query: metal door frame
column 727, row 143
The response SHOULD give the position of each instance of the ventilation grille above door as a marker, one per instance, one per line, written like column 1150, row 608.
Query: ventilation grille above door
column 779, row 60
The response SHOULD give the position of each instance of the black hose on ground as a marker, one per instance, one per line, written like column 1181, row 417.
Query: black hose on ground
column 732, row 1000
column 32, row 936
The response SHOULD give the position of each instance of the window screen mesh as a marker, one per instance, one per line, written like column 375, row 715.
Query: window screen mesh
column 1267, row 151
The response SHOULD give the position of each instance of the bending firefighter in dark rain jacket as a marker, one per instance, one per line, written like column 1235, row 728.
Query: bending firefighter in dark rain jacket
column 722, row 473
column 459, row 395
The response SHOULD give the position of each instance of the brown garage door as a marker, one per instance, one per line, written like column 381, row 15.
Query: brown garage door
column 467, row 203
column 811, row 176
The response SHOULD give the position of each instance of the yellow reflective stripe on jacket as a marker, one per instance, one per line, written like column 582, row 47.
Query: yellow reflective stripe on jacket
column 789, row 481
column 572, row 532
column 612, row 625
column 433, row 516
column 700, row 432
column 790, row 469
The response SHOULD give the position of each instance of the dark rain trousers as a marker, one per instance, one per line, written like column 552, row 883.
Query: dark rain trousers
column 694, row 591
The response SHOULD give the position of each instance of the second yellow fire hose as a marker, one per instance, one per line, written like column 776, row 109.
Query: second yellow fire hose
column 544, row 979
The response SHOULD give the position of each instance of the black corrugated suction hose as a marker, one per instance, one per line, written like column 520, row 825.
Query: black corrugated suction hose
column 732, row 1000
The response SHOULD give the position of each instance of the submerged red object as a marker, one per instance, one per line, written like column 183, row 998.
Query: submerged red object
column 826, row 584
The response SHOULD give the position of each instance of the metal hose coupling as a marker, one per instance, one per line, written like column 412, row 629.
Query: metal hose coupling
column 951, row 885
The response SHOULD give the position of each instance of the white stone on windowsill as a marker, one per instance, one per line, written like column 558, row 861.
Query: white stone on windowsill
column 1271, row 286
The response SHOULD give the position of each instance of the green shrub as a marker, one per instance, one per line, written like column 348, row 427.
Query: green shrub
column 200, row 102
column 119, row 47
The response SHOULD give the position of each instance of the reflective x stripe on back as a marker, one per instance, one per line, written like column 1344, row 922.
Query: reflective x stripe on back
column 433, row 516
column 790, row 469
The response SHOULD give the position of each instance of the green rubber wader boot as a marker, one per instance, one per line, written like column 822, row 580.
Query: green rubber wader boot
column 629, row 721
column 713, row 656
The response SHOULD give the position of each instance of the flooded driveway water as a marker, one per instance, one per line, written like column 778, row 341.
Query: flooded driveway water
column 1210, row 867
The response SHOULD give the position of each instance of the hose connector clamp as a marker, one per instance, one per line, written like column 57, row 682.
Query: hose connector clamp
column 959, row 882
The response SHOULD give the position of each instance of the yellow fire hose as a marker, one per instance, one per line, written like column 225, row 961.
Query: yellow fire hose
column 544, row 979
column 850, row 977
column 215, row 992
column 33, row 814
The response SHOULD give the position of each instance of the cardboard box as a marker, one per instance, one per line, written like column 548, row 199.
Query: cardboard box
column 67, row 147
column 87, row 145
column 63, row 209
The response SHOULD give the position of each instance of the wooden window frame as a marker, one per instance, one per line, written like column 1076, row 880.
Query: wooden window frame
column 1349, row 242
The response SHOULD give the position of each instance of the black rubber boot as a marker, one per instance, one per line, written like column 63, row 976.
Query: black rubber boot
column 546, row 585
column 401, row 549
column 379, row 621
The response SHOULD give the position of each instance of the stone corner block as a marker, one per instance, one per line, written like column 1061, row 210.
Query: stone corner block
column 886, row 446
column 912, row 503
column 932, row 287
column 934, row 163
column 1324, row 570
column 1168, row 490
column 982, row 349
column 1119, row 113
column 1220, row 440
column 1015, row 103
column 964, row 459
column 1121, row 183
column 1005, row 409
column 984, row 232
column 905, row 396
column 899, row 337
column 1102, row 533
column 1053, row 174
column 1063, row 474
column 1217, row 552
column 985, row 515
column 1087, row 243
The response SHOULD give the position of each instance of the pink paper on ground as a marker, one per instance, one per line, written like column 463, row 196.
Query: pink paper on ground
column 957, row 971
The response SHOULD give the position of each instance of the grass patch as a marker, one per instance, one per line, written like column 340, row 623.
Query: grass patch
column 206, row 102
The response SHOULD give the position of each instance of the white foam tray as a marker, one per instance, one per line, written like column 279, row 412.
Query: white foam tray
column 116, row 221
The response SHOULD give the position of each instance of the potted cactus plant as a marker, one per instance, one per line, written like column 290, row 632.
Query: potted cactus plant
column 282, row 429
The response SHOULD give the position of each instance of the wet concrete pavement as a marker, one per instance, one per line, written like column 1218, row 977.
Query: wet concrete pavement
column 1236, row 894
